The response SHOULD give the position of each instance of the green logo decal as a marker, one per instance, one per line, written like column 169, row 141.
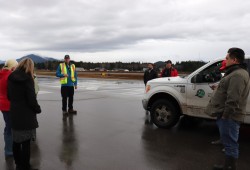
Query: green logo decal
column 200, row 93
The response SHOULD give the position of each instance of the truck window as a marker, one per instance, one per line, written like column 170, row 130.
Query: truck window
column 211, row 74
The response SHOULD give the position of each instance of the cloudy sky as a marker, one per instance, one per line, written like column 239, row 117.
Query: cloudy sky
column 124, row 30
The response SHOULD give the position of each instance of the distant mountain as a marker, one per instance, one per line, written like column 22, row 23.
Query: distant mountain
column 160, row 64
column 37, row 58
column 2, row 62
column 50, row 59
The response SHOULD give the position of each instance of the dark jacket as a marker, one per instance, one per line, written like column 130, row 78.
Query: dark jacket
column 230, row 98
column 149, row 75
column 23, row 102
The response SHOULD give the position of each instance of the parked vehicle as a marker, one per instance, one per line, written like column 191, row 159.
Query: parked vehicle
column 170, row 97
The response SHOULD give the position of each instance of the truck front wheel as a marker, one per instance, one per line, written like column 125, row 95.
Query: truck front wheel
column 164, row 114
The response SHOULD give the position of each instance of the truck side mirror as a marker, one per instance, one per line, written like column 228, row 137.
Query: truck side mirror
column 197, row 79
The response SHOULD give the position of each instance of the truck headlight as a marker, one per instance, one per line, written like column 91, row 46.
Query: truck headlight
column 147, row 88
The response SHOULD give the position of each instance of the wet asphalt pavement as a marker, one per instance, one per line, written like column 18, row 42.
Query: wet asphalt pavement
column 112, row 131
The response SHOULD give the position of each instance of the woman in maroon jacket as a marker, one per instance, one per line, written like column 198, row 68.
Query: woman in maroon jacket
column 9, row 66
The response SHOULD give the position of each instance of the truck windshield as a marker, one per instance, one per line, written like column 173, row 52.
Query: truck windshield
column 211, row 73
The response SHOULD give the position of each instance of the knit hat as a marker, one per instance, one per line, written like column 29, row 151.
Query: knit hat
column 9, row 64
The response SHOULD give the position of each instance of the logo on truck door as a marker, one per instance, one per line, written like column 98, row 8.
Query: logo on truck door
column 200, row 93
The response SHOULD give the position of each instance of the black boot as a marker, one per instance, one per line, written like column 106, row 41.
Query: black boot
column 72, row 111
column 216, row 142
column 218, row 167
column 230, row 164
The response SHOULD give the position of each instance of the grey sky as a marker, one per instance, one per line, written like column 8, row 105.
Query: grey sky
column 124, row 30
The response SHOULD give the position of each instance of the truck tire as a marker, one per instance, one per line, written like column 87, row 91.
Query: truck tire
column 164, row 114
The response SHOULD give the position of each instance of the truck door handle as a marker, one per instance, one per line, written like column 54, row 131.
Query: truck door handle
column 194, row 86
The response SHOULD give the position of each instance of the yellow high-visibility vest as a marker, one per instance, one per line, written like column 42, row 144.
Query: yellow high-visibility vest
column 63, row 67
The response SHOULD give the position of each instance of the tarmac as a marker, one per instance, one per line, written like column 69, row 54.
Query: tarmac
column 112, row 131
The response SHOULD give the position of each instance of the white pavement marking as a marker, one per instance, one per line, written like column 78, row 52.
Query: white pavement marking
column 92, row 88
column 44, row 92
column 111, row 88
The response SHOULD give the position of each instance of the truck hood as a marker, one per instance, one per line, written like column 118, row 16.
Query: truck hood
column 168, row 80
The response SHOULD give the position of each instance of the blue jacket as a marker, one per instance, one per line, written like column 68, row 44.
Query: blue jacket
column 69, row 81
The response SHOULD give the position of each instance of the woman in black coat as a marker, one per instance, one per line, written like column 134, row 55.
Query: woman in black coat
column 23, row 110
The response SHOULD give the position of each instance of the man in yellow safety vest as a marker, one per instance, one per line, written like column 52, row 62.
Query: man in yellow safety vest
column 68, row 79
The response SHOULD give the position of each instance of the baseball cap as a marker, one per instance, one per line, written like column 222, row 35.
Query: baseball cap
column 66, row 57
column 9, row 64
column 169, row 61
column 223, row 65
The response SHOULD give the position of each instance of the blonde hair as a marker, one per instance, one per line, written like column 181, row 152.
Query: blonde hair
column 10, row 64
column 26, row 65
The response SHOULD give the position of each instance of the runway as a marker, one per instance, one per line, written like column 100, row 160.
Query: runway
column 112, row 131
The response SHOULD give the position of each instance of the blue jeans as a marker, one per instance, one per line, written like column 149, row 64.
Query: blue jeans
column 6, row 116
column 229, row 134
column 7, row 134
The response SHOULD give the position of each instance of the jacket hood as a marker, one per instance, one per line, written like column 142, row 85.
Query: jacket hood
column 231, row 68
column 244, row 66
column 1, row 73
column 18, row 76
column 4, row 72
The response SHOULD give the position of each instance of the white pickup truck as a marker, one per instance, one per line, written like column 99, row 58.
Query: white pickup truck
column 168, row 98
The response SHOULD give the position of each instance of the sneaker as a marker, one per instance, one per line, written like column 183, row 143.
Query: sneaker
column 72, row 111
column 9, row 158
column 64, row 112
column 216, row 142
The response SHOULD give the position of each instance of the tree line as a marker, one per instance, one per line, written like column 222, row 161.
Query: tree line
column 183, row 66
